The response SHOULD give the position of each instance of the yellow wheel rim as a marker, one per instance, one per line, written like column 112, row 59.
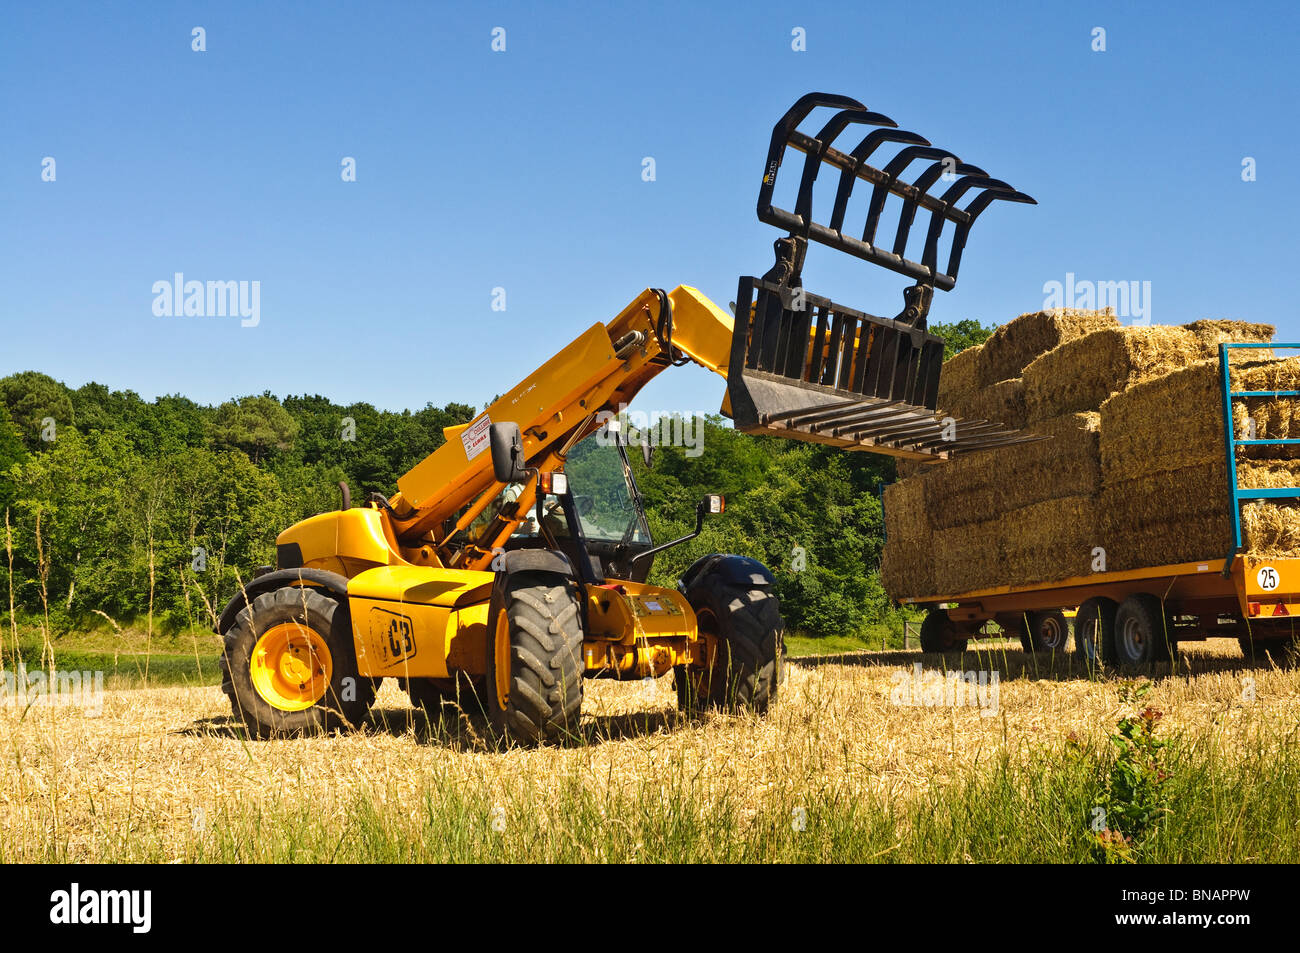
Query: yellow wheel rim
column 501, row 653
column 291, row 667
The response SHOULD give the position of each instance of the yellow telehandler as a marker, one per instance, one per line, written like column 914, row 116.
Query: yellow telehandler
column 511, row 563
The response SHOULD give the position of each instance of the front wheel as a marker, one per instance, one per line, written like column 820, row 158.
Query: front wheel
column 742, row 615
column 289, row 665
column 534, row 659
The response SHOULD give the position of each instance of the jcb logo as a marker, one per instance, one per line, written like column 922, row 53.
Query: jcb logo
column 392, row 637
column 399, row 637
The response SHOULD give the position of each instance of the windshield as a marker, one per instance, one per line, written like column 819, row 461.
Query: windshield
column 602, row 496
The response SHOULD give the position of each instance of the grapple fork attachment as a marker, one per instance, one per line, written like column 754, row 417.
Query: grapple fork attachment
column 807, row 368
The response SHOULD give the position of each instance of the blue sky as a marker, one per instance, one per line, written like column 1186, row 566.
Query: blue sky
column 522, row 170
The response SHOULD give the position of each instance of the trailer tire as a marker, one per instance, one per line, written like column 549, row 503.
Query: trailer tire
column 1094, row 631
column 1048, row 631
column 940, row 634
column 1283, row 652
column 1142, row 633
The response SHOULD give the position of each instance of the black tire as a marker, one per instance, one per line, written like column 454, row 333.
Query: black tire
column 1142, row 632
column 1048, row 632
column 1283, row 652
column 744, row 617
column 939, row 634
column 439, row 696
column 540, row 617
column 346, row 698
column 1094, row 632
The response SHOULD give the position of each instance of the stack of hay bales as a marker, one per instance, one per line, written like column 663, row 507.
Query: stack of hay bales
column 1134, row 464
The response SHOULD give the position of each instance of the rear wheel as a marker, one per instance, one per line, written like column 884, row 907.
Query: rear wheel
column 744, row 620
column 940, row 634
column 435, row 696
column 289, row 665
column 534, row 659
column 1142, row 634
column 1094, row 631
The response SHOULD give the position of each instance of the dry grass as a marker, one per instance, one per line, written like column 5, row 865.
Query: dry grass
column 163, row 774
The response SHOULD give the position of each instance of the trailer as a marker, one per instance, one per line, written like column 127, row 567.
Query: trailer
column 1139, row 616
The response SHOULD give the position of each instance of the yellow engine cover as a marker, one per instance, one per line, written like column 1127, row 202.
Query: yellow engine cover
column 419, row 622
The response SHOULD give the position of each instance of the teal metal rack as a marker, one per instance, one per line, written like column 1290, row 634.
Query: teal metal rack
column 1231, row 442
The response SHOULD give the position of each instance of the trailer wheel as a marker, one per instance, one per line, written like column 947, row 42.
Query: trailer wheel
column 939, row 634
column 1048, row 631
column 1283, row 652
column 1142, row 633
column 1094, row 631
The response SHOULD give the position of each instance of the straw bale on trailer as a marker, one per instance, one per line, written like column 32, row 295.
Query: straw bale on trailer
column 1271, row 529
column 905, row 507
column 1216, row 331
column 1003, row 403
column 1015, row 345
column 1047, row 541
column 984, row 485
column 1084, row 373
column 907, row 566
column 1176, row 421
column 959, row 377
column 966, row 557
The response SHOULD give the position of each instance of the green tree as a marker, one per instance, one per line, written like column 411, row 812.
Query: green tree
column 960, row 335
column 31, row 397
column 258, row 426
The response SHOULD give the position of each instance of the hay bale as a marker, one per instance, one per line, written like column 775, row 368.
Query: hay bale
column 1164, row 424
column 1082, row 374
column 905, row 512
column 907, row 568
column 1015, row 345
column 1271, row 529
column 982, row 486
column 959, row 377
column 966, row 557
column 1176, row 421
column 1003, row 402
column 1047, row 541
column 1162, row 545
column 1183, row 515
column 1216, row 331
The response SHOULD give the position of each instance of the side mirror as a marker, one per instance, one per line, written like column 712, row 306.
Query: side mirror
column 713, row 503
column 647, row 453
column 507, row 453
